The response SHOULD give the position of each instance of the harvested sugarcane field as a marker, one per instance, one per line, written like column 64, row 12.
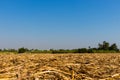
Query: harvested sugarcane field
column 59, row 40
column 103, row 66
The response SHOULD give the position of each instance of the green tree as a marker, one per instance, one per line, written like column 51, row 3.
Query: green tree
column 104, row 46
column 22, row 50
column 114, row 47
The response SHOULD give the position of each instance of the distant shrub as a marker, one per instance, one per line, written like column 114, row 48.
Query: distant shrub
column 82, row 50
column 22, row 50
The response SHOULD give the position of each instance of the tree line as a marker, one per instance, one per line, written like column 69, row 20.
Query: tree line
column 104, row 47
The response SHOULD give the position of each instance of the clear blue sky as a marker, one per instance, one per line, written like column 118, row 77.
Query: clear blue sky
column 66, row 24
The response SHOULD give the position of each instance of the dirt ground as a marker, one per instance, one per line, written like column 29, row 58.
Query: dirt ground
column 60, row 66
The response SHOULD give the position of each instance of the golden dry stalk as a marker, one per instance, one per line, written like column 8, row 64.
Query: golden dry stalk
column 60, row 66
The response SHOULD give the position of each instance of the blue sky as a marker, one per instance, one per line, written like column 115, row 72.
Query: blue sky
column 66, row 24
